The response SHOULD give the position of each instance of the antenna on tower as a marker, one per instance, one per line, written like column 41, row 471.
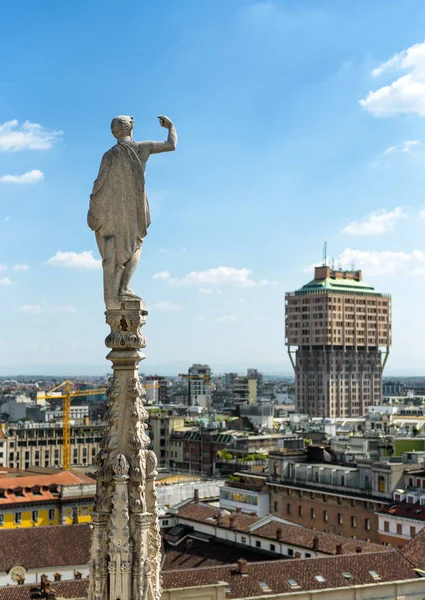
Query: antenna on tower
column 325, row 255
column 333, row 263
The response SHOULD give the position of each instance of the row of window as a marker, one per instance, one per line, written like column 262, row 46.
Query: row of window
column 325, row 516
column 34, row 517
column 399, row 528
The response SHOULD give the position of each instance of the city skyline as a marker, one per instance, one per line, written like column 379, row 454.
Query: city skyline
column 297, row 125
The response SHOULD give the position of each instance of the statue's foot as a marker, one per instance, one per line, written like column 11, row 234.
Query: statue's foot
column 128, row 294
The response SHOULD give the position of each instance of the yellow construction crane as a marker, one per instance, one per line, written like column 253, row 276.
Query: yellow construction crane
column 66, row 396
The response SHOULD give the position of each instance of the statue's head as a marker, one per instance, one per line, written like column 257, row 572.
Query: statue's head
column 122, row 126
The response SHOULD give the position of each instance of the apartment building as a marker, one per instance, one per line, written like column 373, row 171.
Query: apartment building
column 338, row 333
column 160, row 429
column 62, row 498
column 41, row 444
column 199, row 385
column 334, row 497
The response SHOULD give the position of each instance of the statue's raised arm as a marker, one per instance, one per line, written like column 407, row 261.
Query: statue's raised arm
column 119, row 209
column 169, row 145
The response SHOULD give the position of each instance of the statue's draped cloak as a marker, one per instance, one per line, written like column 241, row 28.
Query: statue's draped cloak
column 118, row 204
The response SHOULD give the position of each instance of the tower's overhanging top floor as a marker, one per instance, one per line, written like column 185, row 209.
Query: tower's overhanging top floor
column 327, row 279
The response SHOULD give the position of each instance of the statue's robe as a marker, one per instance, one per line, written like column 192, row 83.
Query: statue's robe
column 118, row 203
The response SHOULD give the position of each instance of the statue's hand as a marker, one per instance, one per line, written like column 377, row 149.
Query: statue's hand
column 165, row 121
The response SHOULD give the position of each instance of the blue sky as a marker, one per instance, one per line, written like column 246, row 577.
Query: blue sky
column 298, row 122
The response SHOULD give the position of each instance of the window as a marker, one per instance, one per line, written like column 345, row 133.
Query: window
column 347, row 575
column 1, row 520
column 381, row 484
column 374, row 574
column 412, row 531
column 258, row 544
column 353, row 522
column 386, row 525
column 300, row 511
column 288, row 509
column 320, row 578
column 34, row 516
column 312, row 513
column 293, row 583
column 290, row 552
column 276, row 506
column 264, row 586
column 367, row 524
column 52, row 513
column 272, row 548
column 399, row 529
column 340, row 521
column 18, row 518
column 243, row 540
column 325, row 516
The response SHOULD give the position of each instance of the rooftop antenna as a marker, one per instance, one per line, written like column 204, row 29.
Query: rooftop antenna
column 333, row 263
column 325, row 256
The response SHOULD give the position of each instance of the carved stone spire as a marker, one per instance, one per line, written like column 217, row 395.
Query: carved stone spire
column 126, row 543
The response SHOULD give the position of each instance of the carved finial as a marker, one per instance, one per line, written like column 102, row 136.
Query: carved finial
column 120, row 465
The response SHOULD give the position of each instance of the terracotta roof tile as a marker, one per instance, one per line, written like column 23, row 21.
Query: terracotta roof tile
column 65, row 589
column 326, row 543
column 405, row 509
column 389, row 565
column 207, row 554
column 300, row 536
column 414, row 550
column 60, row 478
column 204, row 513
column 42, row 547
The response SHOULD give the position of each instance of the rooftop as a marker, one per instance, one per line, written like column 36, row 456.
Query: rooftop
column 406, row 510
column 289, row 576
column 272, row 527
column 327, row 279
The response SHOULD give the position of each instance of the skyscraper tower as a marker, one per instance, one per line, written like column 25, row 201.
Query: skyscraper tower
column 341, row 330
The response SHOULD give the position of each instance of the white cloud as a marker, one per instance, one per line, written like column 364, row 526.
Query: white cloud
column 29, row 177
column 166, row 306
column 161, row 275
column 405, row 147
column 422, row 214
column 75, row 260
column 7, row 219
column 28, row 136
column 379, row 221
column 4, row 267
column 206, row 291
column 5, row 281
column 20, row 267
column 217, row 276
column 384, row 262
column 36, row 309
column 265, row 282
column 227, row 319
column 406, row 94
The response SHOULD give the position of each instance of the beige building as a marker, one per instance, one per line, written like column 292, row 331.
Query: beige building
column 160, row 429
column 41, row 444
column 337, row 326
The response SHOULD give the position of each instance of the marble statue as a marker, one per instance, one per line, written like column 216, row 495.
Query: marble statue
column 119, row 209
